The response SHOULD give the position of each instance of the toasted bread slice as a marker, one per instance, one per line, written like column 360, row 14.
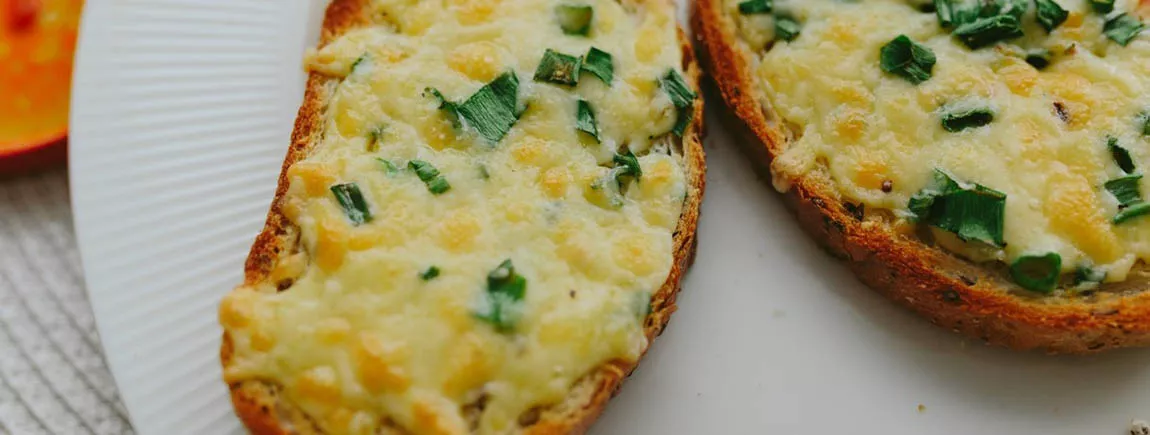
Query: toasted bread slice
column 266, row 406
column 978, row 299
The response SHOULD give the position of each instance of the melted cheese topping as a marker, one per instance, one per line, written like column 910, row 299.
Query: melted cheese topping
column 867, row 128
column 359, row 340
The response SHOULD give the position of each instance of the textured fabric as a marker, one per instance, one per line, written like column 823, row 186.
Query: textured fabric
column 53, row 379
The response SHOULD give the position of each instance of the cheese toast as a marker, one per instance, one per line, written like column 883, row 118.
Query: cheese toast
column 481, row 223
column 976, row 161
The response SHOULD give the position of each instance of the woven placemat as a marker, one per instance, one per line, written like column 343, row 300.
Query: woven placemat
column 53, row 379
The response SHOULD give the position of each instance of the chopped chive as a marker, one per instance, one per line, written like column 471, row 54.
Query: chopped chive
column 585, row 120
column 501, row 305
column 1037, row 273
column 627, row 166
column 751, row 7
column 986, row 31
column 944, row 9
column 1144, row 122
column 351, row 200
column 1120, row 155
column 974, row 213
column 430, row 176
column 600, row 64
column 449, row 108
column 682, row 97
column 483, row 172
column 558, row 68
column 1125, row 189
column 429, row 274
column 1131, row 212
column 907, row 59
column 374, row 136
column 389, row 168
column 493, row 109
column 1050, row 14
column 1102, row 6
column 787, row 28
column 574, row 19
column 1123, row 28
column 1039, row 58
column 955, row 120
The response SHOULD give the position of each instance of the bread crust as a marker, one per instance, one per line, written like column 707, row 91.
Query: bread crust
column 258, row 403
column 953, row 293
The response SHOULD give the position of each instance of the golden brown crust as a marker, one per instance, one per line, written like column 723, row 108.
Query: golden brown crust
column 258, row 404
column 951, row 292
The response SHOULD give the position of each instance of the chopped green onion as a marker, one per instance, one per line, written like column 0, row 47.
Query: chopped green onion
column 1144, row 121
column 1087, row 274
column 1039, row 58
column 641, row 304
column 1123, row 28
column 1102, row 6
column 430, row 176
column 429, row 274
column 627, row 165
column 973, row 11
column 502, row 302
column 1015, row 8
column 907, row 59
column 751, row 7
column 574, row 19
column 786, row 28
column 558, row 68
column 1126, row 189
column 1120, row 155
column 389, row 168
column 1037, row 273
column 493, row 109
column 609, row 184
column 683, row 120
column 986, row 31
column 362, row 60
column 1050, row 14
column 483, row 172
column 676, row 88
column 945, row 11
column 682, row 97
column 955, row 120
column 922, row 202
column 974, row 213
column 351, row 200
column 585, row 120
column 449, row 108
column 374, row 136
column 1131, row 212
column 600, row 64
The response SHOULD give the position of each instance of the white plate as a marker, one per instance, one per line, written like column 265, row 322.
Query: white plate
column 181, row 116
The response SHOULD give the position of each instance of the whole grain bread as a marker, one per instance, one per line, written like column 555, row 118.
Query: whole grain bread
column 264, row 410
column 974, row 299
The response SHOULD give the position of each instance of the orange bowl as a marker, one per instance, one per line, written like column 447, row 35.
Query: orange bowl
column 37, row 42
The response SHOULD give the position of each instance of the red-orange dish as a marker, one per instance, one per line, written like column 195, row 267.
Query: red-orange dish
column 37, row 42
